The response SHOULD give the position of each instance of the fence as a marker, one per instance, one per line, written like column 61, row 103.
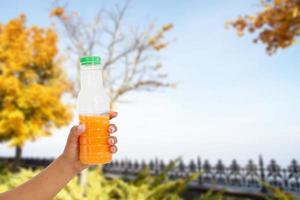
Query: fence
column 234, row 179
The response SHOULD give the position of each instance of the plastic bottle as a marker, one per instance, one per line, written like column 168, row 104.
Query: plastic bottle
column 93, row 105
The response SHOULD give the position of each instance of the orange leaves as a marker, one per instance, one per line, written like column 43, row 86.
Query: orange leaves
column 61, row 13
column 296, row 12
column 42, row 41
column 240, row 24
column 278, row 2
column 32, row 83
column 13, row 28
column 278, row 23
column 57, row 12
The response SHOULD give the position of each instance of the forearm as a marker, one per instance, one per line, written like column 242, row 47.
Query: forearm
column 46, row 184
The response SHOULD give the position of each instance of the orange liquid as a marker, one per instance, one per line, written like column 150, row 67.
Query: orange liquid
column 94, row 148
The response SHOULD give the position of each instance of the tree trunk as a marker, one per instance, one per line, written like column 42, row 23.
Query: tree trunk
column 18, row 154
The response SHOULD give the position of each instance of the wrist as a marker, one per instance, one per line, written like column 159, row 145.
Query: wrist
column 68, row 165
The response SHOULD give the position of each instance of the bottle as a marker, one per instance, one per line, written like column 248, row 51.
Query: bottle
column 93, row 106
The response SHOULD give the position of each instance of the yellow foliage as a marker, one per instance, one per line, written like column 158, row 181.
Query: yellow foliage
column 99, row 187
column 167, row 27
column 32, row 83
column 156, row 40
column 279, row 23
column 58, row 11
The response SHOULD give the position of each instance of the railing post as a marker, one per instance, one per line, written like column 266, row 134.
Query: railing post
column 199, row 169
column 156, row 167
column 262, row 174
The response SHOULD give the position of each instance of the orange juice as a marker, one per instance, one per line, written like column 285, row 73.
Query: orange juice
column 94, row 148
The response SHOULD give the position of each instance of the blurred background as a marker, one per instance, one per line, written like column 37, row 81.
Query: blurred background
column 182, row 80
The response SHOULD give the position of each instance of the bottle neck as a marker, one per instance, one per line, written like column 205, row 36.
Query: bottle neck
column 91, row 78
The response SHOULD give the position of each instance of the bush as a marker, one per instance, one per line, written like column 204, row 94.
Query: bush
column 144, row 186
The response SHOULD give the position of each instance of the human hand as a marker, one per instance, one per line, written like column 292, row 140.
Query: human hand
column 71, row 151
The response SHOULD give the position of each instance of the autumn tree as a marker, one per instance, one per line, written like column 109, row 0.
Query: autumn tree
column 32, row 84
column 130, row 54
column 278, row 24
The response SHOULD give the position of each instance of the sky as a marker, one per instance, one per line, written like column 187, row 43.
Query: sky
column 233, row 101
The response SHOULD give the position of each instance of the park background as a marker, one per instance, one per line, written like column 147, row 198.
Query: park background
column 231, row 101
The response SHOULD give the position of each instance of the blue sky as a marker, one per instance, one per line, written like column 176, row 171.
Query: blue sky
column 233, row 100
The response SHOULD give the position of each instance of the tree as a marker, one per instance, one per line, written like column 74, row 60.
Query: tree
column 130, row 55
column 278, row 24
column 32, row 84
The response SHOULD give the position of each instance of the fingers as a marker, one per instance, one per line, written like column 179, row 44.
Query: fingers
column 112, row 128
column 80, row 129
column 112, row 140
column 74, row 133
column 112, row 114
column 113, row 149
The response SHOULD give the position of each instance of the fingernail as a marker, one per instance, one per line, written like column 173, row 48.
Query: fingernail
column 115, row 113
column 80, row 128
column 113, row 149
column 111, row 141
column 111, row 129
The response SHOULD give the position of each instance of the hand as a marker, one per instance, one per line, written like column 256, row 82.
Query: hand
column 71, row 151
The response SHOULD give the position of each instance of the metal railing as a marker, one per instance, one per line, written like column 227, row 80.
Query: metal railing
column 234, row 179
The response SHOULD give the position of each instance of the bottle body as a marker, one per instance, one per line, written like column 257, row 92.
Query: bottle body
column 93, row 106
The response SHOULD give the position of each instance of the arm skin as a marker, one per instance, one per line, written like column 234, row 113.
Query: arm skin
column 52, row 179
column 46, row 184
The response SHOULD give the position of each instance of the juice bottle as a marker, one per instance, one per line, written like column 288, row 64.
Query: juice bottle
column 93, row 105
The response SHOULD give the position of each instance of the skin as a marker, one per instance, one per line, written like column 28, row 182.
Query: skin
column 52, row 179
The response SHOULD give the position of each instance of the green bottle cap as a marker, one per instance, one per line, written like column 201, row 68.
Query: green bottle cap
column 90, row 60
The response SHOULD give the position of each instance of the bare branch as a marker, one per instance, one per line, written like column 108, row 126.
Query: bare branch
column 141, row 85
column 131, row 62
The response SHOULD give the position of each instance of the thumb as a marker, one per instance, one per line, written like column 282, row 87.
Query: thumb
column 74, row 134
